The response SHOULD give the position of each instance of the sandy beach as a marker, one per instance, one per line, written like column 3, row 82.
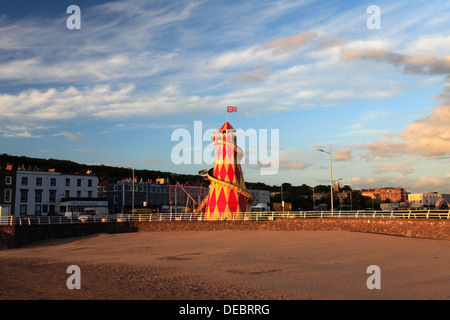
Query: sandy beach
column 228, row 265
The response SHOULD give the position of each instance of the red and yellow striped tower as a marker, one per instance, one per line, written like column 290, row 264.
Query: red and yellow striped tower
column 227, row 198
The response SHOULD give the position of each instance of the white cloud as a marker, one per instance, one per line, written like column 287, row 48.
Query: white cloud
column 343, row 155
column 402, row 168
column 22, row 134
column 255, row 75
column 425, row 184
column 70, row 136
column 429, row 45
column 410, row 64
column 289, row 44
column 191, row 72
column 22, row 130
column 273, row 51
column 340, row 94
column 428, row 137
column 308, row 94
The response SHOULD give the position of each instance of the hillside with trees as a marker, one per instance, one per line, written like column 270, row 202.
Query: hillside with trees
column 299, row 196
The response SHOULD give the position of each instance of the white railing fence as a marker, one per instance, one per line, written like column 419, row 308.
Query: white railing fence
column 246, row 216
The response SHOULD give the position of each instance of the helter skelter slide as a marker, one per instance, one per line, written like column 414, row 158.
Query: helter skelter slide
column 228, row 198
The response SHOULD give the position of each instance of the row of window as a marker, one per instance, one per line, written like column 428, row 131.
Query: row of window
column 52, row 181
column 67, row 194
column 38, row 195
column 38, row 209
column 152, row 189
column 425, row 201
column 136, row 201
column 136, row 188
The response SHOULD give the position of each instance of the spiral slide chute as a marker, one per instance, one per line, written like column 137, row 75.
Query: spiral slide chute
column 201, row 207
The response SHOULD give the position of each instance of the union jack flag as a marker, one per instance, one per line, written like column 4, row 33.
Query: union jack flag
column 231, row 109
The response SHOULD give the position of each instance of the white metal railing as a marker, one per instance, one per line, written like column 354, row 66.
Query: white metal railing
column 246, row 216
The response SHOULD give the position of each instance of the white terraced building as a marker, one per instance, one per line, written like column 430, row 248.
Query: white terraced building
column 428, row 200
column 40, row 193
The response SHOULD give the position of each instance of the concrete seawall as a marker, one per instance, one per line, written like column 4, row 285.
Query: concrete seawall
column 19, row 235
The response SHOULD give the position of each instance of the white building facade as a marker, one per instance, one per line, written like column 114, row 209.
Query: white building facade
column 40, row 193
column 426, row 200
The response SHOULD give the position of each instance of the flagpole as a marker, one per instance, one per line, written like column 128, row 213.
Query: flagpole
column 226, row 117
column 230, row 109
column 132, row 196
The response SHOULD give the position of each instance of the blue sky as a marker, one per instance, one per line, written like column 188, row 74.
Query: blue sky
column 114, row 91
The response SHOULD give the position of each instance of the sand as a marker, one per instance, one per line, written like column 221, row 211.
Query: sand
column 228, row 265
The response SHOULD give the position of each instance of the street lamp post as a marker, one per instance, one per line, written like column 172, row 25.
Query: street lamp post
column 331, row 178
column 282, row 202
column 132, row 195
column 351, row 201
column 340, row 204
column 314, row 199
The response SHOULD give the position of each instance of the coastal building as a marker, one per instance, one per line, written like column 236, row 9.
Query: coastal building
column 148, row 195
column 7, row 188
column 428, row 200
column 120, row 195
column 386, row 194
column 40, row 193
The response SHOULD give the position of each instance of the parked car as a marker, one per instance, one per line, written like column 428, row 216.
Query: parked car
column 93, row 214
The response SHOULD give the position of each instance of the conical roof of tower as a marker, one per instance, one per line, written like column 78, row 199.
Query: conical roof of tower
column 226, row 126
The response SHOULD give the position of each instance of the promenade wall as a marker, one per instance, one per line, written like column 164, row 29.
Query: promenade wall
column 15, row 236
